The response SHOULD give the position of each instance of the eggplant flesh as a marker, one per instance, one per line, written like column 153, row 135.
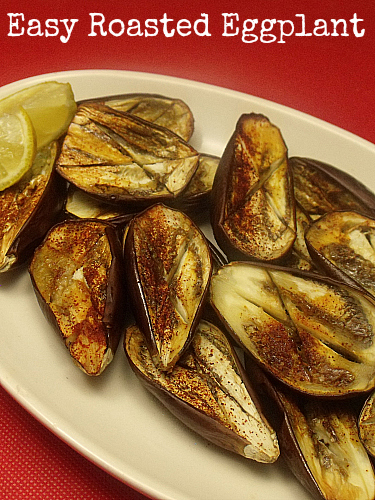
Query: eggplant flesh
column 366, row 424
column 253, row 213
column 312, row 333
column 171, row 113
column 122, row 158
column 169, row 265
column 207, row 390
column 343, row 245
column 323, row 448
column 321, row 188
column 29, row 208
column 76, row 274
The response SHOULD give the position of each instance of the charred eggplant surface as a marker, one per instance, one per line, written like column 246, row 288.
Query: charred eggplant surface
column 209, row 391
column 253, row 214
column 343, row 245
column 173, row 114
column 122, row 158
column 322, row 188
column 29, row 209
column 313, row 333
column 76, row 274
column 168, row 265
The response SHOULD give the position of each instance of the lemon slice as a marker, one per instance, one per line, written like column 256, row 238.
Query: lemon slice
column 50, row 106
column 17, row 146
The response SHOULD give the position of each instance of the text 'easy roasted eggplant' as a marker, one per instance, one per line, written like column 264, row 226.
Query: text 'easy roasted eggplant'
column 253, row 213
column 168, row 264
column 77, row 277
column 209, row 391
column 313, row 333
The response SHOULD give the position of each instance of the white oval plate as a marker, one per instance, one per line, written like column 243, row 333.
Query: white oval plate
column 112, row 420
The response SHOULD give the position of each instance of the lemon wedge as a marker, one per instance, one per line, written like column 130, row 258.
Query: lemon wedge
column 17, row 146
column 50, row 106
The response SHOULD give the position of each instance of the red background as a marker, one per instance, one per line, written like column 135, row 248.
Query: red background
column 331, row 78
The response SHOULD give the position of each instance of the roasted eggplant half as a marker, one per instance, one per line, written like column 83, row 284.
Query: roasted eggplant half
column 168, row 266
column 209, row 391
column 77, row 275
column 321, row 188
column 171, row 113
column 311, row 332
column 252, row 212
column 319, row 440
column 123, row 159
column 29, row 208
column 366, row 424
column 300, row 257
column 343, row 245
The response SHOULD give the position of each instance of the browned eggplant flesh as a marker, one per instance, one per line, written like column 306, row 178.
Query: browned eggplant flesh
column 77, row 276
column 313, row 333
column 208, row 390
column 320, row 442
column 343, row 245
column 253, row 213
column 29, row 208
column 321, row 188
column 366, row 424
column 168, row 266
column 171, row 113
column 122, row 158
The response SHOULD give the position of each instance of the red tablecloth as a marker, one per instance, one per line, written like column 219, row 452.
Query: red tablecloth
column 330, row 77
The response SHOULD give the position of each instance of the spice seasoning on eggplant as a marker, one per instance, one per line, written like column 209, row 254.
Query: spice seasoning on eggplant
column 168, row 264
column 313, row 333
column 253, row 213
column 209, row 391
column 77, row 277
column 29, row 208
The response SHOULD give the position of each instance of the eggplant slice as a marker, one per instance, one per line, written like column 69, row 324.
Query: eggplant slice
column 313, row 333
column 322, row 188
column 30, row 208
column 320, row 442
column 168, row 266
column 209, row 391
column 253, row 213
column 343, row 246
column 77, row 277
column 121, row 158
column 171, row 113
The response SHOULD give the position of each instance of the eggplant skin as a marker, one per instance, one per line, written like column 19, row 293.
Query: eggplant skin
column 209, row 391
column 342, row 244
column 77, row 276
column 311, row 332
column 252, row 203
column 168, row 265
column 321, row 188
column 30, row 208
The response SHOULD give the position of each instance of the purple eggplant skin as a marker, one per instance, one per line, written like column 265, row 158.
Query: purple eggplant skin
column 187, row 393
column 244, row 244
column 112, row 313
column 47, row 211
column 147, row 285
column 335, row 189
